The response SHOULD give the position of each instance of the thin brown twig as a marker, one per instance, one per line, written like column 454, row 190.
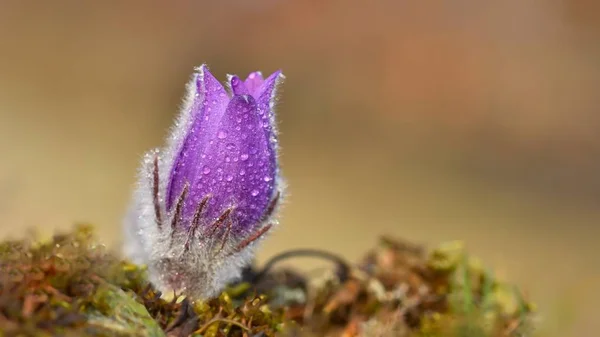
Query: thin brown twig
column 195, row 222
column 224, row 320
column 155, row 195
column 226, row 235
column 252, row 238
column 271, row 206
column 220, row 220
column 179, row 206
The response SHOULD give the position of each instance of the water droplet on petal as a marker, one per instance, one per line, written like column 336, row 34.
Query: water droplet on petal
column 206, row 170
column 254, row 193
column 267, row 178
column 230, row 146
column 242, row 172
column 244, row 156
column 222, row 134
column 229, row 177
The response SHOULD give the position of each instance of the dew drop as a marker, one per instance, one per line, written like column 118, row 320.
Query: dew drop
column 229, row 177
column 267, row 178
column 244, row 156
column 242, row 172
column 222, row 134
column 206, row 170
column 230, row 146
column 254, row 193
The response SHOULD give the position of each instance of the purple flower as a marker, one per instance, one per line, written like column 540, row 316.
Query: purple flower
column 212, row 192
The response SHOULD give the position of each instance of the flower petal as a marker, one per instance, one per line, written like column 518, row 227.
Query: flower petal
column 238, row 87
column 253, row 82
column 199, row 125
column 266, row 96
column 237, row 167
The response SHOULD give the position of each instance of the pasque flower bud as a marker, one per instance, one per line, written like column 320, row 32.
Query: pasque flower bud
column 204, row 200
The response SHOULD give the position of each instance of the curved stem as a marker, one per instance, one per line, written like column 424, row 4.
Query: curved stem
column 343, row 268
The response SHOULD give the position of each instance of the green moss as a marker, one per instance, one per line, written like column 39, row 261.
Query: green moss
column 116, row 313
column 71, row 285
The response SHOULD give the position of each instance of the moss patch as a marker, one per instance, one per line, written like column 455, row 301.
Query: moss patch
column 72, row 285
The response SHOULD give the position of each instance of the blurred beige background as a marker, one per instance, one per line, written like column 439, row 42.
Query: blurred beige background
column 432, row 121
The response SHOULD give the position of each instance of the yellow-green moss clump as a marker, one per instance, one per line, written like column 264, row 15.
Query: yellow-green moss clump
column 73, row 286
